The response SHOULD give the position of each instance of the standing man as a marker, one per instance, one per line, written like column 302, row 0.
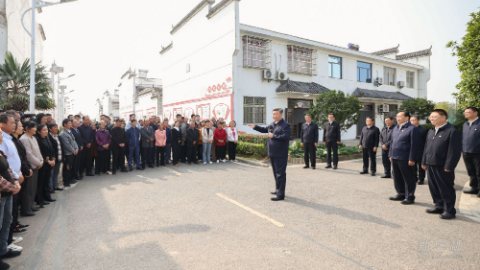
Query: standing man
column 77, row 174
column 133, row 139
column 385, row 139
column 403, row 153
column 148, row 138
column 169, row 141
column 309, row 139
column 119, row 138
column 278, row 141
column 193, row 136
column 88, row 135
column 471, row 148
column 331, row 139
column 368, row 144
column 129, row 124
column 70, row 150
column 441, row 156
column 183, row 130
column 420, row 178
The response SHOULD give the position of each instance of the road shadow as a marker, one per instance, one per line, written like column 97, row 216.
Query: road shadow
column 333, row 210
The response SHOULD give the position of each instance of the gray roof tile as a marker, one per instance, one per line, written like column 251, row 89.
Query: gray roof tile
column 426, row 52
column 312, row 88
column 190, row 15
column 386, row 51
column 376, row 94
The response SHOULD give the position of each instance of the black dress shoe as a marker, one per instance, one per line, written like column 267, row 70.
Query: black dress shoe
column 79, row 178
column 328, row 167
column 386, row 176
column 434, row 211
column 313, row 168
column 11, row 253
column 125, row 170
column 28, row 215
column 373, row 174
column 52, row 191
column 51, row 200
column 35, row 209
column 4, row 265
column 90, row 174
column 273, row 192
column 335, row 167
column 363, row 172
column 59, row 189
column 397, row 198
column 408, row 202
column 447, row 215
column 306, row 167
column 130, row 169
column 471, row 191
column 45, row 203
column 421, row 182
column 277, row 199
column 140, row 168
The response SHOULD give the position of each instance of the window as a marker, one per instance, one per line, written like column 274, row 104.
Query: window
column 254, row 110
column 389, row 76
column 256, row 52
column 410, row 77
column 115, row 105
column 302, row 60
column 364, row 72
column 335, row 67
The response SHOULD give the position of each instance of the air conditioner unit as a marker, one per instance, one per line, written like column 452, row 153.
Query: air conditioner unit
column 401, row 84
column 281, row 76
column 386, row 108
column 378, row 81
column 267, row 74
column 380, row 108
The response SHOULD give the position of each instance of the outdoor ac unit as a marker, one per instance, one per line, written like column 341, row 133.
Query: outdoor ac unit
column 281, row 76
column 401, row 84
column 378, row 81
column 385, row 108
column 267, row 74
column 380, row 108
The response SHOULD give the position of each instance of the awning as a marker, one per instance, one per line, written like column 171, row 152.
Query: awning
column 375, row 94
column 312, row 88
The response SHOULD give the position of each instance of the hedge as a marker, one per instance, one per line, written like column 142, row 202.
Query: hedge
column 251, row 138
column 296, row 150
column 254, row 149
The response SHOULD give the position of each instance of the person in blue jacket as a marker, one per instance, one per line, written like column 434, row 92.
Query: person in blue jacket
column 278, row 141
column 133, row 139
column 403, row 154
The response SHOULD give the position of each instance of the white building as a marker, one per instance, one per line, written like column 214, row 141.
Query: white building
column 217, row 67
column 140, row 95
column 110, row 104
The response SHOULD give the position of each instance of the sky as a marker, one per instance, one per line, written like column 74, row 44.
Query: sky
column 98, row 40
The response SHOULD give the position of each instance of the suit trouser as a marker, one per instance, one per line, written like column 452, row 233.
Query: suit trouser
column 418, row 167
column 472, row 162
column 310, row 153
column 387, row 165
column 76, row 165
column 147, row 156
column 43, row 188
column 86, row 161
column 134, row 153
column 232, row 149
column 118, row 158
column 175, row 152
column 160, row 153
column 6, row 221
column 214, row 152
column 404, row 178
column 369, row 153
column 183, row 152
column 279, row 166
column 200, row 151
column 67, row 170
column 167, row 152
column 332, row 146
column 15, row 200
column 441, row 185
column 103, row 160
column 54, row 175
column 220, row 151
column 28, row 193
column 192, row 153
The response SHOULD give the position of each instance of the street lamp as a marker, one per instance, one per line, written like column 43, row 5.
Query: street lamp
column 36, row 4
column 61, row 96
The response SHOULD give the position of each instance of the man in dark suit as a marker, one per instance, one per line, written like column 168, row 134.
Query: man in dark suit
column 471, row 148
column 278, row 141
column 148, row 143
column 193, row 135
column 309, row 139
column 403, row 153
column 440, row 158
column 119, row 138
column 368, row 144
column 331, row 139
column 77, row 158
column 385, row 138
column 88, row 135
column 423, row 137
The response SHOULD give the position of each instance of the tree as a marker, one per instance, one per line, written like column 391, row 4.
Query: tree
column 468, row 53
column 445, row 105
column 420, row 107
column 345, row 107
column 15, row 86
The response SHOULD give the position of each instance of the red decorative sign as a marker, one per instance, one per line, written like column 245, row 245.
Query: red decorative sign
column 221, row 110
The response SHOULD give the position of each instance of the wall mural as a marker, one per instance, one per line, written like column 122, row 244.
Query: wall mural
column 221, row 110
column 167, row 115
column 188, row 112
column 204, row 111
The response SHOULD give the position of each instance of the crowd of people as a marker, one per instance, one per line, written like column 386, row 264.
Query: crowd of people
column 34, row 151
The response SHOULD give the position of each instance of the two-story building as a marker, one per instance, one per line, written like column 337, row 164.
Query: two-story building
column 215, row 66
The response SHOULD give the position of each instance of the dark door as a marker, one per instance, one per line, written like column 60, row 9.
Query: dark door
column 290, row 120
column 361, row 122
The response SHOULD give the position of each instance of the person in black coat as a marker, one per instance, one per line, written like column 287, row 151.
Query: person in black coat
column 423, row 137
column 193, row 135
column 117, row 145
column 403, row 153
column 48, row 155
column 368, row 144
column 440, row 158
column 331, row 139
column 176, row 142
column 471, row 148
column 279, row 132
column 309, row 139
column 385, row 139
column 77, row 174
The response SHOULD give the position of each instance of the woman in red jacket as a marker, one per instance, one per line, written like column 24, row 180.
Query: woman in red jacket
column 220, row 138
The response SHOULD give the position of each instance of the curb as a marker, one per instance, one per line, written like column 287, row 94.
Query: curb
column 469, row 204
column 253, row 163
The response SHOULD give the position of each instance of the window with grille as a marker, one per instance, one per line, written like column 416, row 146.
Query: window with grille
column 410, row 77
column 256, row 52
column 302, row 60
column 254, row 110
column 335, row 67
column 364, row 72
column 115, row 106
column 389, row 76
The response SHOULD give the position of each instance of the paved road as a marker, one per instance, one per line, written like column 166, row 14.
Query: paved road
column 220, row 217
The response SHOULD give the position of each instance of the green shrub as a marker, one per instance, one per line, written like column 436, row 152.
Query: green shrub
column 427, row 125
column 251, row 138
column 253, row 149
column 296, row 150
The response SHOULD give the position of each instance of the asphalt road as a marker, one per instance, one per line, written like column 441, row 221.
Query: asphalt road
column 220, row 217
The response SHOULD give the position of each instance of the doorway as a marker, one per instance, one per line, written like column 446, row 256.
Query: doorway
column 367, row 111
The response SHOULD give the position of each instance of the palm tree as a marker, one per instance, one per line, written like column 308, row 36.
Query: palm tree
column 15, row 86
